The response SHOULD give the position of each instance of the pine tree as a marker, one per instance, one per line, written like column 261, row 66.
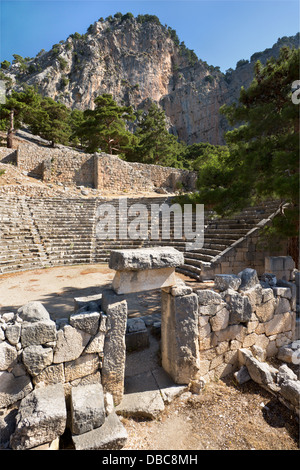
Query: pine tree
column 104, row 128
column 18, row 110
column 264, row 149
column 51, row 122
column 156, row 145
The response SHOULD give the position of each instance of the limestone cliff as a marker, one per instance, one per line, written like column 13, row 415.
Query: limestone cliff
column 139, row 62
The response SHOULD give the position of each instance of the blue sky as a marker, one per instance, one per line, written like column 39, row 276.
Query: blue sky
column 221, row 32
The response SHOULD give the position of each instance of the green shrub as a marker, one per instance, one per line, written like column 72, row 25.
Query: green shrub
column 209, row 78
column 148, row 18
column 62, row 63
column 128, row 16
column 5, row 64
column 242, row 62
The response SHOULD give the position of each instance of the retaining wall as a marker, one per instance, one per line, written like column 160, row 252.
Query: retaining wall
column 101, row 171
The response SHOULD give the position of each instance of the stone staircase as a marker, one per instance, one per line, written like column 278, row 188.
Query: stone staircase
column 62, row 231
column 221, row 234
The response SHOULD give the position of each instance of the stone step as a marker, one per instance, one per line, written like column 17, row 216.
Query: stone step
column 203, row 251
column 187, row 272
column 192, row 269
column 19, row 266
column 197, row 262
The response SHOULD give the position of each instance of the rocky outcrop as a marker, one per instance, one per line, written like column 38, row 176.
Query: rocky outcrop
column 139, row 62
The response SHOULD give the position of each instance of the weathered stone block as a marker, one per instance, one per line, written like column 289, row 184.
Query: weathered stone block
column 181, row 289
column 8, row 355
column 279, row 323
column 242, row 376
column 96, row 345
column 290, row 390
column 248, row 278
column 274, row 264
column 267, row 294
column 51, row 375
column 208, row 297
column 33, row 311
column 290, row 352
column 41, row 418
column 265, row 311
column 254, row 295
column 114, row 347
column 38, row 332
column 70, row 344
column 232, row 332
column 111, row 435
column 13, row 389
column 227, row 281
column 136, row 334
column 285, row 373
column 87, row 408
column 81, row 367
column 12, row 333
column 179, row 332
column 239, row 307
column 282, row 292
column 36, row 358
column 260, row 372
column 211, row 309
column 282, row 305
column 145, row 258
column 86, row 320
column 91, row 302
column 142, row 397
column 220, row 320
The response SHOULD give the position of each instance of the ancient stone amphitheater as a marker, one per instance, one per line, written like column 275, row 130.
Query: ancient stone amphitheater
column 45, row 232
column 70, row 366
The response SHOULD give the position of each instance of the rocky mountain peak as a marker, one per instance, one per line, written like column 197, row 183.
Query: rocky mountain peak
column 139, row 60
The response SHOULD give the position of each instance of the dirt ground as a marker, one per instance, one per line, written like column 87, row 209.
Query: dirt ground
column 224, row 416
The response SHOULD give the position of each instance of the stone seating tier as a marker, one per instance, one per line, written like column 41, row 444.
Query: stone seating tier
column 60, row 231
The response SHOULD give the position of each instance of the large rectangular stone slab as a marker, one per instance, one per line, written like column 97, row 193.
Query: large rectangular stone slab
column 179, row 333
column 112, row 435
column 126, row 282
column 142, row 397
column 114, row 346
column 145, row 258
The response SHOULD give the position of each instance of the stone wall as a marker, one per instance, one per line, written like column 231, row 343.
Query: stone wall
column 101, row 171
column 70, row 168
column 113, row 173
column 36, row 354
column 204, row 330
column 242, row 312
column 167, row 177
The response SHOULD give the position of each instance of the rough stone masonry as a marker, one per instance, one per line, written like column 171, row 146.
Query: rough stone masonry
column 70, row 373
